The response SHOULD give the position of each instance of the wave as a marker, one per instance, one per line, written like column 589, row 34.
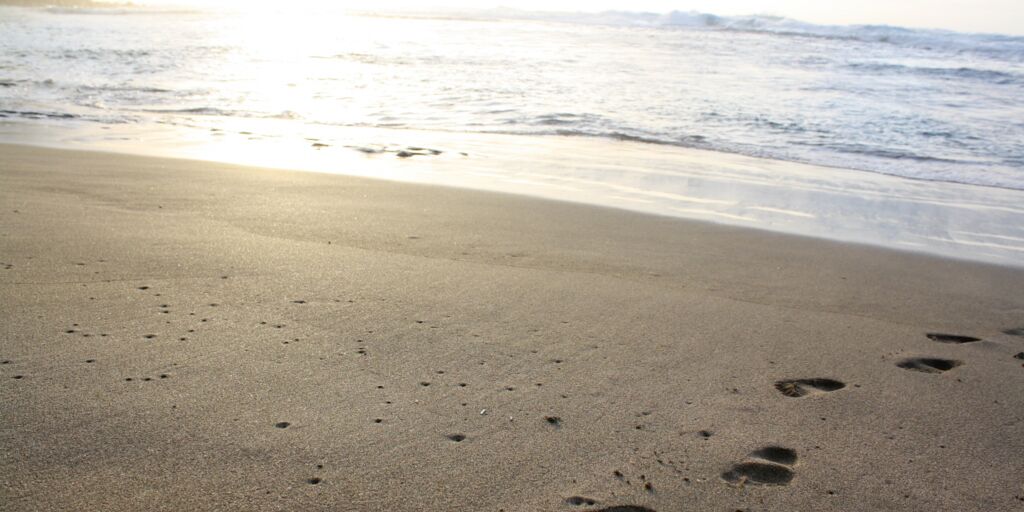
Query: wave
column 985, row 75
column 89, row 117
column 96, row 54
column 995, row 45
column 107, row 88
column 220, row 112
column 951, row 170
column 125, row 9
column 32, row 114
column 879, row 152
column 685, row 141
column 199, row 111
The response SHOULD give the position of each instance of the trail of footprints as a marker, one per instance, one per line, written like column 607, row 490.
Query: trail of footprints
column 773, row 465
column 937, row 364
column 766, row 466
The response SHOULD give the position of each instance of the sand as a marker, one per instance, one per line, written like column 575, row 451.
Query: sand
column 180, row 335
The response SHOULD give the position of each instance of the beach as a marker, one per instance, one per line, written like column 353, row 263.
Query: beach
column 181, row 334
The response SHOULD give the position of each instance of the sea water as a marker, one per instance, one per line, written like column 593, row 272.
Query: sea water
column 932, row 110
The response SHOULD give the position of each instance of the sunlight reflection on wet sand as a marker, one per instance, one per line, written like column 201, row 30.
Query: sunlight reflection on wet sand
column 961, row 221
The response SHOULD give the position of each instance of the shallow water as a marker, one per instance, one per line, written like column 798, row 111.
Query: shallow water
column 923, row 104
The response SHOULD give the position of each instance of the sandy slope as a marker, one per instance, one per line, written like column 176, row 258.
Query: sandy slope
column 181, row 335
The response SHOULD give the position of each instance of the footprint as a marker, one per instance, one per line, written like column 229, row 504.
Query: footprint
column 951, row 338
column 796, row 388
column 758, row 473
column 1019, row 331
column 928, row 364
column 770, row 465
column 776, row 454
column 580, row 500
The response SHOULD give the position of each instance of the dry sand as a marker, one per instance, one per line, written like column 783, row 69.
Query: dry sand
column 182, row 335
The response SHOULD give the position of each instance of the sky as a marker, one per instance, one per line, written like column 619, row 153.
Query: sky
column 996, row 16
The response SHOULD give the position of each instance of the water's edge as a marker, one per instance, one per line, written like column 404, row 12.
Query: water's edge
column 949, row 220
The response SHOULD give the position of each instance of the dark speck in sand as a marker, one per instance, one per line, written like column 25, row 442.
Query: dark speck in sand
column 458, row 438
column 282, row 424
column 314, row 481
column 553, row 420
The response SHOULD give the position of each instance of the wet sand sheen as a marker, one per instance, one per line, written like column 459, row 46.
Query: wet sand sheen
column 182, row 334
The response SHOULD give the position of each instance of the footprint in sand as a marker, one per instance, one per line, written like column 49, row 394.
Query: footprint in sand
column 796, row 388
column 951, row 338
column 771, row 465
column 928, row 364
column 1019, row 331
column 580, row 501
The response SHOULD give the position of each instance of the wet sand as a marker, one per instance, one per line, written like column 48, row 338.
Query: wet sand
column 189, row 335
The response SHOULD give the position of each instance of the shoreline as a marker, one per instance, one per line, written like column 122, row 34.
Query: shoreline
column 764, row 231
column 948, row 219
column 183, row 334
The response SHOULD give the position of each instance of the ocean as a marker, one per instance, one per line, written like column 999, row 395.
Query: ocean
column 930, row 106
